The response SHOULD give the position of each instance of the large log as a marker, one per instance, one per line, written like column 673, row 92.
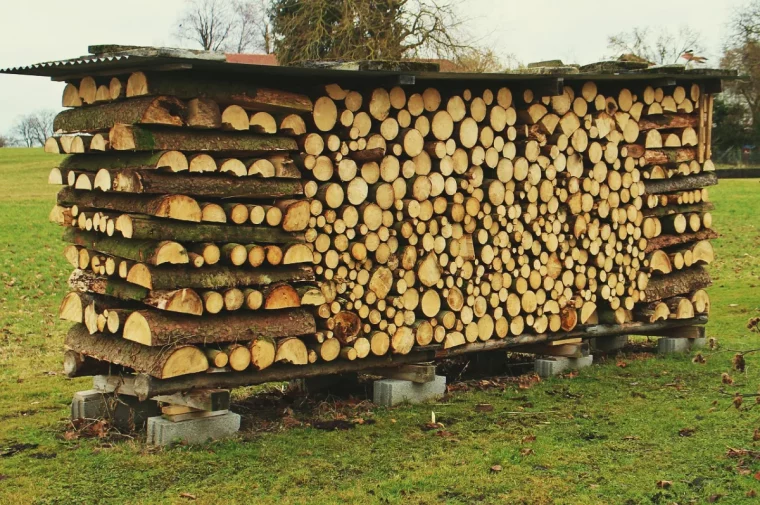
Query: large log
column 665, row 121
column 677, row 283
column 147, row 387
column 209, row 186
column 178, row 207
column 664, row 241
column 144, row 228
column 223, row 91
column 144, row 251
column 679, row 209
column 80, row 365
column 214, row 277
column 161, row 363
column 174, row 161
column 658, row 186
column 185, row 300
column 159, row 329
column 669, row 155
column 136, row 138
column 162, row 110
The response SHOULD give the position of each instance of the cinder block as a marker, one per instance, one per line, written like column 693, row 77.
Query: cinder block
column 548, row 367
column 610, row 344
column 161, row 431
column 390, row 392
column 677, row 345
column 124, row 412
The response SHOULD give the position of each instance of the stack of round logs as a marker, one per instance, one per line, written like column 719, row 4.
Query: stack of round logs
column 216, row 225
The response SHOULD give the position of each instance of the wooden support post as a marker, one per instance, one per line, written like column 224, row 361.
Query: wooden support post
column 419, row 374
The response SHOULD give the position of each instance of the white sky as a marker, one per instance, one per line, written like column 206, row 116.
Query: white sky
column 32, row 31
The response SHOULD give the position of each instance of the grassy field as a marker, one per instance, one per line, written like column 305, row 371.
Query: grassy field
column 609, row 434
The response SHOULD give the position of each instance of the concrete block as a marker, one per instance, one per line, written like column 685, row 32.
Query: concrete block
column 667, row 345
column 610, row 344
column 548, row 367
column 390, row 392
column 162, row 431
column 124, row 412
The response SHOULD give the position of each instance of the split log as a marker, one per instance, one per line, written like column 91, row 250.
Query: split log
column 177, row 207
column 677, row 283
column 162, row 110
column 292, row 351
column 222, row 91
column 208, row 186
column 145, row 251
column 185, row 300
column 659, row 186
column 161, row 363
column 135, row 138
column 159, row 329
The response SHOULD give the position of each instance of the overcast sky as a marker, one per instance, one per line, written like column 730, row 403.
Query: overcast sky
column 576, row 31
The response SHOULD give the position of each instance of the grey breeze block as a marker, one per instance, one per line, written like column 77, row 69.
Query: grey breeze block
column 390, row 392
column 124, row 412
column 547, row 367
column 162, row 431
column 667, row 345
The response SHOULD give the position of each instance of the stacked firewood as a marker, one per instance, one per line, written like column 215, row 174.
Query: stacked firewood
column 217, row 225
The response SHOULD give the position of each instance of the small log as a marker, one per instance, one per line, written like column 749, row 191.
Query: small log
column 177, row 207
column 680, row 183
column 162, row 110
column 174, row 161
column 145, row 251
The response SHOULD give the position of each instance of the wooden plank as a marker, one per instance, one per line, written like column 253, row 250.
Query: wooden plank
column 194, row 415
column 119, row 384
column 566, row 341
column 419, row 374
column 200, row 399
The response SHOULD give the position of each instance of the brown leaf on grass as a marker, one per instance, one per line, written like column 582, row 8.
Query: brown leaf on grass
column 726, row 379
column 713, row 498
column 70, row 435
column 528, row 381
column 444, row 434
column 738, row 400
column 757, row 476
column 290, row 422
column 712, row 343
column 621, row 364
column 496, row 468
column 664, row 484
column 686, row 432
column 738, row 362
column 699, row 359
column 484, row 407
column 526, row 451
column 751, row 493
column 188, row 496
column 529, row 439
column 756, row 435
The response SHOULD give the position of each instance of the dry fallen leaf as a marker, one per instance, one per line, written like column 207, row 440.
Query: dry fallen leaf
column 751, row 493
column 686, row 432
column 484, row 407
column 699, row 359
column 496, row 468
column 738, row 401
column 188, row 496
column 664, row 484
column 526, row 451
column 529, row 439
column 726, row 379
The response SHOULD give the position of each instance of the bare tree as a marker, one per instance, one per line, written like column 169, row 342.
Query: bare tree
column 479, row 61
column 33, row 129
column 365, row 29
column 225, row 25
column 4, row 141
column 659, row 45
column 742, row 53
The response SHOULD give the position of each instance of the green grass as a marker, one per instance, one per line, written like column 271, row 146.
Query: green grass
column 607, row 435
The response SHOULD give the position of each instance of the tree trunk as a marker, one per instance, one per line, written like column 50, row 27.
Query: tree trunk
column 178, row 207
column 677, row 283
column 143, row 228
column 153, row 328
column 185, row 300
column 214, row 277
column 135, row 138
column 161, row 363
column 223, row 91
column 162, row 110
column 208, row 186
column 655, row 187
column 145, row 251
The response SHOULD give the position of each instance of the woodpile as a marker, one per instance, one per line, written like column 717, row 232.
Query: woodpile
column 217, row 225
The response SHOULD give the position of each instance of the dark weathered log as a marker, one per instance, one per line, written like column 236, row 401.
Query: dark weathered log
column 214, row 277
column 159, row 362
column 172, row 160
column 158, row 329
column 80, row 365
column 162, row 110
column 670, row 240
column 147, row 387
column 185, row 300
column 136, row 138
column 144, row 251
column 143, row 228
column 223, row 91
column 677, row 283
column 679, row 209
column 178, row 207
column 209, row 186
column 658, row 186
column 665, row 121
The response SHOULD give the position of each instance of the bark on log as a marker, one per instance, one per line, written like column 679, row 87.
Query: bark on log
column 672, row 155
column 135, row 138
column 162, row 110
column 185, row 300
column 670, row 240
column 161, row 363
column 223, row 91
column 152, row 328
column 677, row 283
column 208, row 186
column 214, row 277
column 665, row 121
column 144, row 251
column 669, row 210
column 175, row 161
column 80, row 365
column 177, row 207
column 655, row 187
column 143, row 228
